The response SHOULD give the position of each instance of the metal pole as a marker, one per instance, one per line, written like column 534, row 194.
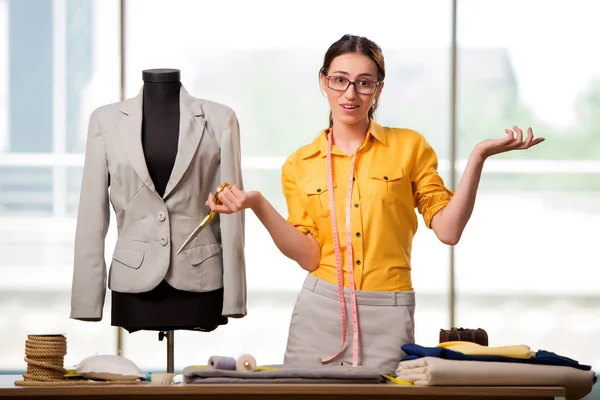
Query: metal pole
column 122, row 48
column 121, row 97
column 453, row 72
column 170, row 352
column 59, row 126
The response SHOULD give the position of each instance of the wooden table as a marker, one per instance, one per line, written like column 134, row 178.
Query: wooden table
column 279, row 391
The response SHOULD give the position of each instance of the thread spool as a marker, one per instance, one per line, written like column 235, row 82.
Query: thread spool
column 246, row 363
column 219, row 362
column 162, row 379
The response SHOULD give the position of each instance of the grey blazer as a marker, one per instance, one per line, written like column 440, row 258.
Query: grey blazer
column 151, row 229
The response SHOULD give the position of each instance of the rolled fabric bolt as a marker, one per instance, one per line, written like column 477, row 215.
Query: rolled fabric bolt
column 246, row 362
column 218, row 362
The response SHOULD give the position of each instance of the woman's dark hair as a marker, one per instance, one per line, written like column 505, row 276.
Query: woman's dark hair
column 355, row 44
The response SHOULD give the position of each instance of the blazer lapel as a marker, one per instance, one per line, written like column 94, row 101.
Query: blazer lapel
column 191, row 128
column 130, row 129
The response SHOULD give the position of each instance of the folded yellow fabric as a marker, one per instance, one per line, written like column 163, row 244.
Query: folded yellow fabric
column 474, row 349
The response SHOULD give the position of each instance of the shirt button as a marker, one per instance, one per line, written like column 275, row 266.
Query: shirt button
column 318, row 190
column 385, row 178
column 161, row 216
column 358, row 262
column 357, row 234
column 356, row 205
column 164, row 241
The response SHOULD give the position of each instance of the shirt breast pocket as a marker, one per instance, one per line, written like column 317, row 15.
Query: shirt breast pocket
column 317, row 198
column 387, row 184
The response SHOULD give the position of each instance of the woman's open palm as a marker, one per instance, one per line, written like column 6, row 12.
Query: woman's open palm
column 511, row 142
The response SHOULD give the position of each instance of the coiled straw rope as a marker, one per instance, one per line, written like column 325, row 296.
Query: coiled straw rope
column 44, row 355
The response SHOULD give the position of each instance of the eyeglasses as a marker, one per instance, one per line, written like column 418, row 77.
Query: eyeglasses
column 342, row 84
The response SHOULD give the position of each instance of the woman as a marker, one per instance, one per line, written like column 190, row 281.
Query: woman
column 366, row 180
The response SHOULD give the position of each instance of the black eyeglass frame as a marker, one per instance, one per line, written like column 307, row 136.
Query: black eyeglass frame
column 353, row 83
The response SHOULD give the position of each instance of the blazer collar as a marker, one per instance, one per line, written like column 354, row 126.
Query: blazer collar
column 191, row 127
column 319, row 146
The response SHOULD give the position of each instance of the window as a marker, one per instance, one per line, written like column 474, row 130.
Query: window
column 58, row 61
column 525, row 265
column 266, row 69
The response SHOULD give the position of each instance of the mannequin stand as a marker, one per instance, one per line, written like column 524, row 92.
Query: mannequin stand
column 170, row 335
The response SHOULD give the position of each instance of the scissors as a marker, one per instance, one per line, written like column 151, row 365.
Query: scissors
column 206, row 219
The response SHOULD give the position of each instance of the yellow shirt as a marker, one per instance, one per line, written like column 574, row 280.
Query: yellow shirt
column 395, row 172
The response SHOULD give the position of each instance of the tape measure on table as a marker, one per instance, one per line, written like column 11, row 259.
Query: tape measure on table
column 338, row 257
column 396, row 380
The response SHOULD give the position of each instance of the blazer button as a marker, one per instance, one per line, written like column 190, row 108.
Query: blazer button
column 164, row 241
column 161, row 216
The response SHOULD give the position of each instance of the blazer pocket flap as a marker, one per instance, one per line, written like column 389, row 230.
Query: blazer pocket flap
column 197, row 255
column 386, row 174
column 131, row 258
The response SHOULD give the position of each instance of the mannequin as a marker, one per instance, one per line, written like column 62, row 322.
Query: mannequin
column 154, row 159
column 164, row 308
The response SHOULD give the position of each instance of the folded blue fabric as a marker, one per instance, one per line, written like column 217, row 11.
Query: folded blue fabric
column 541, row 357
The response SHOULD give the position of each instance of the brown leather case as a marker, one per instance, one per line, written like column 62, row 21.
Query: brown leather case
column 478, row 335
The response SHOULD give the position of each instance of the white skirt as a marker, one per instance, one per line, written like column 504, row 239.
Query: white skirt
column 385, row 319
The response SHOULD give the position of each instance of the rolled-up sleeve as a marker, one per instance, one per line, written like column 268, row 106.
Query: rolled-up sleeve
column 297, row 215
column 429, row 191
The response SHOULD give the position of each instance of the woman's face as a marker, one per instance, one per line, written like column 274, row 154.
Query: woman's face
column 350, row 103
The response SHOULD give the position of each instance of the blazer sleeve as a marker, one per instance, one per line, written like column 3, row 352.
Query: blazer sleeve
column 233, row 225
column 89, row 273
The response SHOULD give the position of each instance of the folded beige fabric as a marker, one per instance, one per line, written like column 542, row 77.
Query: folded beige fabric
column 433, row 371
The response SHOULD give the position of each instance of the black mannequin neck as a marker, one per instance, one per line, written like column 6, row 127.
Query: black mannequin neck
column 160, row 124
column 161, row 87
column 161, row 93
